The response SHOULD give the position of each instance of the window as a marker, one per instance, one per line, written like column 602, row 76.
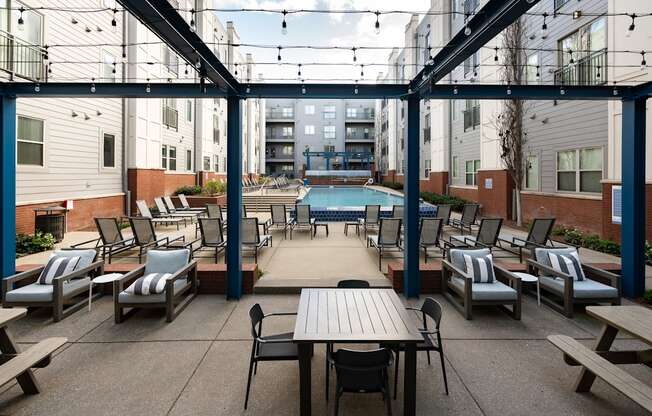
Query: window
column 532, row 69
column 207, row 163
column 351, row 112
column 216, row 163
column 172, row 158
column 164, row 156
column 310, row 109
column 329, row 148
column 329, row 111
column 560, row 3
column 170, row 60
column 27, row 59
column 108, row 67
column 472, row 167
column 426, row 164
column 589, row 55
column 288, row 112
column 471, row 64
column 108, row 153
column 170, row 113
column 288, row 131
column 189, row 111
column 309, row 130
column 456, row 166
column 329, row 132
column 216, row 129
column 426, row 128
column 29, row 141
column 585, row 179
column 472, row 114
column 532, row 173
column 287, row 150
column 189, row 160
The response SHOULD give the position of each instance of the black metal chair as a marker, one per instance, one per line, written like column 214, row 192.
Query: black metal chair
column 279, row 219
column 362, row 372
column 110, row 241
column 430, row 309
column 278, row 347
column 342, row 284
column 212, row 236
column 302, row 219
column 371, row 218
column 469, row 215
column 388, row 238
column 538, row 237
column 145, row 237
column 444, row 212
column 251, row 238
column 397, row 211
column 429, row 235
column 487, row 236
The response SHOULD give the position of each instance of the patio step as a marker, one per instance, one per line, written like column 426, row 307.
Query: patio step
column 293, row 286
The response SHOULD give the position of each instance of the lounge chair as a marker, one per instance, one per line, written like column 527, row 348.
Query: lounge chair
column 279, row 219
column 537, row 236
column 490, row 285
column 429, row 235
column 212, row 211
column 179, row 289
column 61, row 294
column 388, row 238
column 163, row 211
column 362, row 372
column 185, row 205
column 397, row 211
column 431, row 338
column 144, row 212
column 469, row 215
column 110, row 242
column 486, row 237
column 251, row 238
column 146, row 239
column 371, row 218
column 277, row 347
column 212, row 236
column 303, row 219
column 444, row 212
column 563, row 286
column 174, row 209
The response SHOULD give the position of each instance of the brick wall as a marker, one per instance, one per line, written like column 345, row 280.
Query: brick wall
column 612, row 231
column 80, row 217
column 496, row 201
column 175, row 181
column 145, row 184
column 582, row 213
column 209, row 176
column 470, row 194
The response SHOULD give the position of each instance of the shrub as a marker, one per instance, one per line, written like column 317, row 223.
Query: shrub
column 456, row 203
column 393, row 185
column 188, row 190
column 594, row 242
column 647, row 296
column 214, row 187
column 28, row 244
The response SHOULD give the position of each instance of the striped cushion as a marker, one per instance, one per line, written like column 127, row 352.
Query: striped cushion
column 150, row 284
column 567, row 264
column 57, row 266
column 480, row 268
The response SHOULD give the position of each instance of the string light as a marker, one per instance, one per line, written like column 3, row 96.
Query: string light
column 509, row 87
column 114, row 23
column 278, row 58
column 538, row 74
column 355, row 90
column 284, row 24
column 361, row 71
column 21, row 21
column 643, row 61
column 377, row 24
column 632, row 26
column 148, row 88
column 496, row 55
column 303, row 88
column 186, row 71
column 113, row 71
column 544, row 27
column 37, row 87
column 355, row 58
column 93, row 85
column 236, row 69
column 597, row 75
column 572, row 61
column 299, row 71
column 192, row 19
column 467, row 29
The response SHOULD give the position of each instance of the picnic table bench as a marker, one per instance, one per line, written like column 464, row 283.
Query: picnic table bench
column 18, row 365
column 602, row 362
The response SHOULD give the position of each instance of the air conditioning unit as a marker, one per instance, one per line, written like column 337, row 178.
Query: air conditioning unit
column 616, row 204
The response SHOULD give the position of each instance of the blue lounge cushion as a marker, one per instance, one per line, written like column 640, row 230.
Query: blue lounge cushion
column 582, row 289
column 43, row 293
column 166, row 261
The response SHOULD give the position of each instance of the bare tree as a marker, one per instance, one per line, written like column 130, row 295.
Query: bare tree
column 509, row 122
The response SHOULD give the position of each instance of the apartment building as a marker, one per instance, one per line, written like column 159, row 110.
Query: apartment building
column 572, row 150
column 296, row 126
column 98, row 156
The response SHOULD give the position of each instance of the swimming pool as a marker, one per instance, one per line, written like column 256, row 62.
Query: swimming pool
column 349, row 197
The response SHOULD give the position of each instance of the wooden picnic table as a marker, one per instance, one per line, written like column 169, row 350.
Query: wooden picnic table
column 16, row 364
column 365, row 316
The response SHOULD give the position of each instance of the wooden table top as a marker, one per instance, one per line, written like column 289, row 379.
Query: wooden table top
column 9, row 315
column 635, row 320
column 354, row 316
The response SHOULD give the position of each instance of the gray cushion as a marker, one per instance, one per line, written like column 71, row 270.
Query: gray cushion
column 488, row 291
column 86, row 256
column 582, row 289
column 43, row 293
column 125, row 297
column 541, row 254
column 457, row 256
column 166, row 261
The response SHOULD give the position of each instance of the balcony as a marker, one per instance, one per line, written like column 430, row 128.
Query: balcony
column 279, row 114
column 360, row 137
column 279, row 138
column 426, row 134
column 171, row 118
column 22, row 59
column 366, row 115
column 279, row 158
column 590, row 70
column 472, row 118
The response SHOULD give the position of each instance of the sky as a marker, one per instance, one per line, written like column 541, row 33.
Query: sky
column 351, row 30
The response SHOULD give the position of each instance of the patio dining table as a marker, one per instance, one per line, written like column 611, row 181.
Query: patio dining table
column 354, row 316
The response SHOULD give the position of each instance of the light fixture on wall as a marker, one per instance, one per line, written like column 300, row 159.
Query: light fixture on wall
column 98, row 113
column 74, row 114
column 86, row 117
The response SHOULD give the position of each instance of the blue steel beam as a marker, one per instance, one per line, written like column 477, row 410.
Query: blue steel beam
column 305, row 91
column 411, row 283
column 528, row 92
column 234, row 198
column 633, row 197
column 8, row 185
column 643, row 90
column 111, row 90
column 493, row 18
column 162, row 18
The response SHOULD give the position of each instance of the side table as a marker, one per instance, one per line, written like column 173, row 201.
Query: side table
column 105, row 278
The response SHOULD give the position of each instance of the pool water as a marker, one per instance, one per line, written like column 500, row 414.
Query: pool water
column 349, row 197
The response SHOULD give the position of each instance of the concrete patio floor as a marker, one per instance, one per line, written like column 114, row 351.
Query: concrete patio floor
column 197, row 365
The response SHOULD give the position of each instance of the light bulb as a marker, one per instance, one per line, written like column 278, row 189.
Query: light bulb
column 37, row 87
column 148, row 89
column 562, row 91
column 377, row 24
column 93, row 86
column 467, row 30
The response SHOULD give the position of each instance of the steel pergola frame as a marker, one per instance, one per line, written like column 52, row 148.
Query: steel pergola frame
column 496, row 15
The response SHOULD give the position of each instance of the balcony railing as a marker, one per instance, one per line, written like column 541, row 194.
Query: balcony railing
column 171, row 118
column 21, row 59
column 471, row 118
column 279, row 114
column 426, row 134
column 280, row 138
column 367, row 114
column 590, row 70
